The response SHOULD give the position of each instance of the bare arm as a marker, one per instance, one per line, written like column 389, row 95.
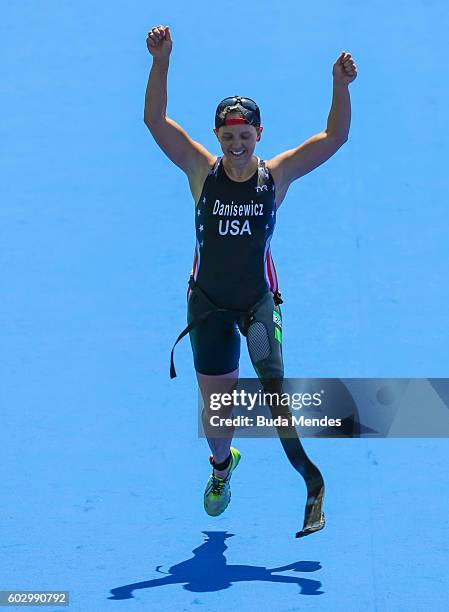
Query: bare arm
column 291, row 165
column 339, row 119
column 156, row 92
column 189, row 155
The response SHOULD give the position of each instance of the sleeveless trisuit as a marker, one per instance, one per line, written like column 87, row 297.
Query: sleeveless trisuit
column 233, row 285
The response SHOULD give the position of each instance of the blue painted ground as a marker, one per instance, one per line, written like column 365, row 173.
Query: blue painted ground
column 102, row 470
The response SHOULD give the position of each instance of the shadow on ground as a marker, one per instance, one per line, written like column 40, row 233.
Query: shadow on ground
column 208, row 571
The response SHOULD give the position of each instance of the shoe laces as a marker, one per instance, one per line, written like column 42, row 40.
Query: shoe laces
column 217, row 485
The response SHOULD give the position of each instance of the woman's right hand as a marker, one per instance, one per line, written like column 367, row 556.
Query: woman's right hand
column 159, row 42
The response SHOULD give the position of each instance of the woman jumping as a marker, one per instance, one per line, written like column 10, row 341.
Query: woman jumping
column 233, row 288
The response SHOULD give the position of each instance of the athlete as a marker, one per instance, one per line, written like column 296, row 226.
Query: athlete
column 233, row 288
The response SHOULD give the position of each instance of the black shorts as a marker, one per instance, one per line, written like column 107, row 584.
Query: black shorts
column 215, row 341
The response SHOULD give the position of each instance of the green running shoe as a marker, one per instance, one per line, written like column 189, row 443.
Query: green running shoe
column 217, row 494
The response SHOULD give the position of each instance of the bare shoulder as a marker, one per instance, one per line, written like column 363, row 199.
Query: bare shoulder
column 279, row 182
column 274, row 169
column 198, row 175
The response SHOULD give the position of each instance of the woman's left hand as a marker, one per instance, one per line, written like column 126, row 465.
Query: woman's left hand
column 344, row 70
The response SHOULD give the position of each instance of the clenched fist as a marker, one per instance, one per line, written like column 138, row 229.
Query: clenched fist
column 159, row 42
column 344, row 70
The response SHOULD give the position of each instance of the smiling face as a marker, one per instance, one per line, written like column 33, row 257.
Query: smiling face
column 238, row 141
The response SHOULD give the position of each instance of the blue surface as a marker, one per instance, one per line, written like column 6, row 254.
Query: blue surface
column 97, row 235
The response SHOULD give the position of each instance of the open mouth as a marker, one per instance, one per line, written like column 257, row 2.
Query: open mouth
column 237, row 153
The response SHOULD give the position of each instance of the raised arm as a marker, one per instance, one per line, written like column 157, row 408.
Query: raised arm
column 291, row 165
column 189, row 155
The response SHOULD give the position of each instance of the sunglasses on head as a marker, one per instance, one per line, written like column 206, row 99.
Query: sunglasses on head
column 233, row 100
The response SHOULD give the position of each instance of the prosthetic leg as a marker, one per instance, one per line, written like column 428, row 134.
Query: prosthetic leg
column 263, row 331
column 288, row 435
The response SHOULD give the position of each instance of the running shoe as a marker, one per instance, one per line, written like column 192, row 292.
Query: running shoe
column 217, row 494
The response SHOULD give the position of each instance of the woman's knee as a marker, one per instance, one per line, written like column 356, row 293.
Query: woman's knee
column 210, row 383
